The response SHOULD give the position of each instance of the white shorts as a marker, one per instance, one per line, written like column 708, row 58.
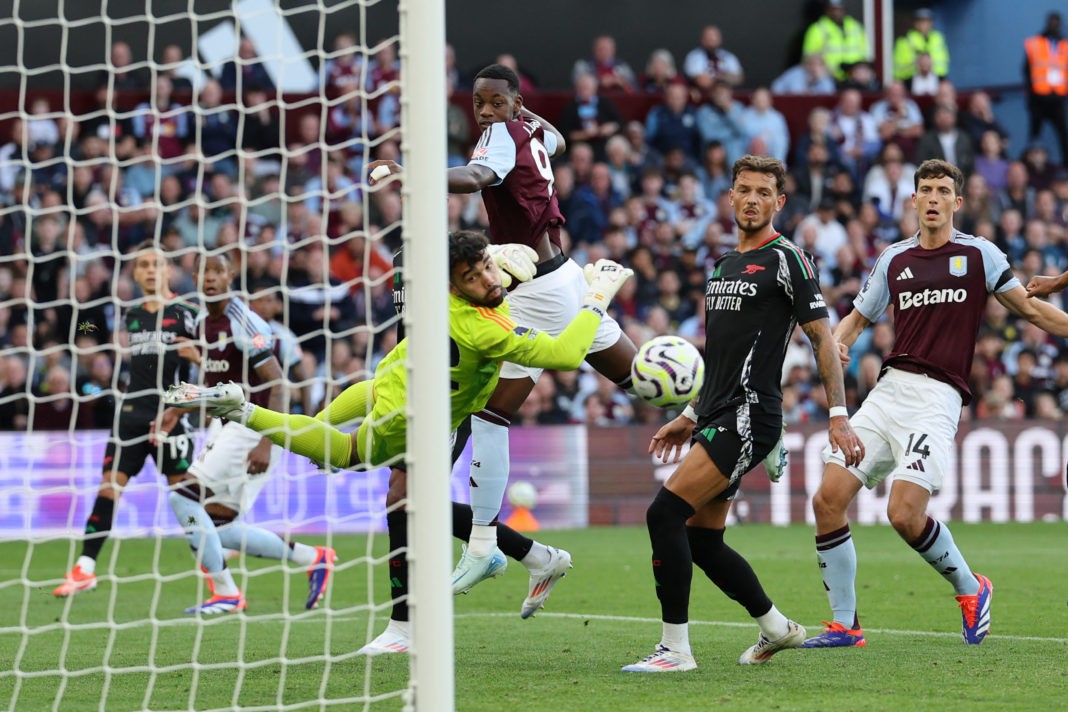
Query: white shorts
column 222, row 465
column 549, row 303
column 908, row 425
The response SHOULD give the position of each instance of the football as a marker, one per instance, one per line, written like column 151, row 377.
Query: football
column 522, row 494
column 667, row 371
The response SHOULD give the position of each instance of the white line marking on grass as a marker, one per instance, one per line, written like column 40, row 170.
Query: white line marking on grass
column 735, row 624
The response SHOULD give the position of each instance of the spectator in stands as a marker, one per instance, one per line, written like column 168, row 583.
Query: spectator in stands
column 458, row 133
column 999, row 402
column 761, row 120
column 990, row 162
column 979, row 207
column 358, row 262
column 12, row 162
column 319, row 303
column 218, row 130
column 722, row 119
column 691, row 213
column 862, row 77
column 124, row 76
column 1018, row 193
column 40, row 127
column 98, row 391
column 181, row 70
column 946, row 142
column 343, row 73
column 856, row 133
column 924, row 82
column 1046, row 76
column 839, row 38
column 246, row 71
column 922, row 38
column 889, row 188
column 55, row 407
column 898, row 117
column 814, row 176
column 1039, row 169
column 618, row 159
column 163, row 124
column 714, row 172
column 673, row 124
column 262, row 130
column 810, row 77
column 14, row 403
column 710, row 63
column 612, row 73
column 819, row 130
column 383, row 80
column 591, row 205
column 660, row 72
column 979, row 118
column 589, row 117
column 1060, row 193
column 527, row 83
column 830, row 235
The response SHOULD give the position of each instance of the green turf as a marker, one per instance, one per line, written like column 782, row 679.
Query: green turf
column 602, row 616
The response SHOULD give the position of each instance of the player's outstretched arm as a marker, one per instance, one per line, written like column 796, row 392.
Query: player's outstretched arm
column 561, row 146
column 840, row 432
column 1042, row 314
column 1040, row 286
column 470, row 178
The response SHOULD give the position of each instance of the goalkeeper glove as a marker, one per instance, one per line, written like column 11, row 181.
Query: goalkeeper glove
column 514, row 260
column 778, row 459
column 605, row 278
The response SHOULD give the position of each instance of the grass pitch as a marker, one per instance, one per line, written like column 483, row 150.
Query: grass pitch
column 603, row 615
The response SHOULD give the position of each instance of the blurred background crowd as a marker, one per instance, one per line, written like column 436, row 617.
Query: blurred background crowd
column 214, row 163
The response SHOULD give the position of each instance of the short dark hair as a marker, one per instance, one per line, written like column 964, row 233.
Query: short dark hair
column 762, row 164
column 937, row 168
column 466, row 247
column 499, row 71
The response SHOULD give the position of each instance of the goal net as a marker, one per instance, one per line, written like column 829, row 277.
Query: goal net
column 206, row 128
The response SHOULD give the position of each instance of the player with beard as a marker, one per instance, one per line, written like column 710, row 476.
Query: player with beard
column 755, row 297
column 511, row 167
column 482, row 335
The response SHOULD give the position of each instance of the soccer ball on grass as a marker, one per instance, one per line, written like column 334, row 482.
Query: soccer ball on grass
column 667, row 371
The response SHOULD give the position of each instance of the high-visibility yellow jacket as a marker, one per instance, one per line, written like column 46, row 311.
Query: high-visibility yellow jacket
column 839, row 45
column 914, row 43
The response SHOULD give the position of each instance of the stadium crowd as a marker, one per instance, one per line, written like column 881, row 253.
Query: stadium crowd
column 315, row 244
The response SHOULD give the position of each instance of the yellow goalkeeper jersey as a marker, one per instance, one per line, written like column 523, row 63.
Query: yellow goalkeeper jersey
column 480, row 338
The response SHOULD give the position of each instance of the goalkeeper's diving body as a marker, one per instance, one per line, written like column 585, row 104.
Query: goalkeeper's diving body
column 482, row 335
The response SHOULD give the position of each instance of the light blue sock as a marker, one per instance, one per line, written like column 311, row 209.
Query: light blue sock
column 200, row 532
column 838, row 565
column 265, row 544
column 938, row 549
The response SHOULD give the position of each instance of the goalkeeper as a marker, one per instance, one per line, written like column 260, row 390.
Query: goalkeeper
column 482, row 335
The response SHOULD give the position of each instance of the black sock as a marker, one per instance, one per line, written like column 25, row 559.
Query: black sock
column 509, row 541
column 397, row 524
column 98, row 527
column 728, row 569
column 672, row 564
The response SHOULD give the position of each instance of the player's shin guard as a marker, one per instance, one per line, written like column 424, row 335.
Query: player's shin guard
column 672, row 563
column 98, row 526
column 200, row 530
column 489, row 478
column 303, row 435
column 728, row 569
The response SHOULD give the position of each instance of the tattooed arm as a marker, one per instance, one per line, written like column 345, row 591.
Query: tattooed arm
column 830, row 369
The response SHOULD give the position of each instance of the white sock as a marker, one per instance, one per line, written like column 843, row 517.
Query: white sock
column 773, row 624
column 224, row 583
column 87, row 565
column 537, row 558
column 483, row 539
column 676, row 637
column 302, row 554
column 489, row 470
